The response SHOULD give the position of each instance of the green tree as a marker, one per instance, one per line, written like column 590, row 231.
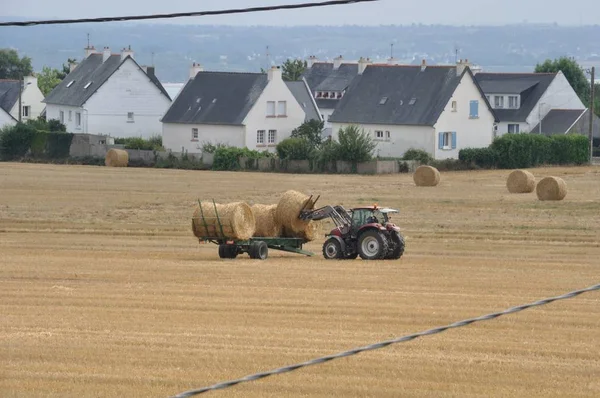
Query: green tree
column 310, row 131
column 572, row 71
column 13, row 67
column 293, row 69
column 66, row 68
column 355, row 145
column 48, row 78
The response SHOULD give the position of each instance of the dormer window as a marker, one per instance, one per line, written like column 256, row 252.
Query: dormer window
column 70, row 83
column 318, row 94
column 326, row 94
column 498, row 101
column 513, row 101
column 339, row 95
column 87, row 85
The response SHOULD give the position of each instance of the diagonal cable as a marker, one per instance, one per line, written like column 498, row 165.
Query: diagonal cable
column 384, row 344
column 187, row 14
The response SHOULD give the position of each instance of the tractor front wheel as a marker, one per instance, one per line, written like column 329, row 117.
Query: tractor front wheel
column 332, row 250
column 372, row 245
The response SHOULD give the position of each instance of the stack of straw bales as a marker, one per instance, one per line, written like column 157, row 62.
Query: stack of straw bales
column 426, row 176
column 551, row 188
column 237, row 220
column 116, row 158
column 520, row 181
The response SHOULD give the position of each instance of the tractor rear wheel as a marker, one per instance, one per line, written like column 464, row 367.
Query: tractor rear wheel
column 398, row 250
column 332, row 250
column 372, row 245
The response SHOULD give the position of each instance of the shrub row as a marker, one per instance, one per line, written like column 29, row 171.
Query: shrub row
column 153, row 143
column 228, row 158
column 28, row 139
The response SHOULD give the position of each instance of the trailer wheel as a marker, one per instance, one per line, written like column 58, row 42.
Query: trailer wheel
column 228, row 251
column 258, row 250
column 223, row 251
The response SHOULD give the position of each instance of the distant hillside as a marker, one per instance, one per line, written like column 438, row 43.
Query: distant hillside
column 175, row 47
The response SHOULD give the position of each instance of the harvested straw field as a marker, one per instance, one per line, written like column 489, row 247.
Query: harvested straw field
column 104, row 290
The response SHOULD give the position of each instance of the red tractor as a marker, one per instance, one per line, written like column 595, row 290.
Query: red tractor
column 363, row 231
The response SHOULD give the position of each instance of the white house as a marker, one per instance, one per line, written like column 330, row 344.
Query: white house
column 32, row 98
column 6, row 118
column 439, row 109
column 252, row 110
column 109, row 94
column 521, row 100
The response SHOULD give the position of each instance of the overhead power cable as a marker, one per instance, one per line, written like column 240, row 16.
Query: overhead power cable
column 186, row 14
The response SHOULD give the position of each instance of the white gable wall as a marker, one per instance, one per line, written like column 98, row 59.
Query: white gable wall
column 129, row 89
column 6, row 119
column 470, row 132
column 178, row 136
column 53, row 112
column 31, row 97
column 276, row 90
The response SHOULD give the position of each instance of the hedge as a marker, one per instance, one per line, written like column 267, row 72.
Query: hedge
column 227, row 158
column 23, row 139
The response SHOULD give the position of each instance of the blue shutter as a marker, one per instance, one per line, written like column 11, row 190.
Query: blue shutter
column 440, row 140
column 474, row 111
column 454, row 140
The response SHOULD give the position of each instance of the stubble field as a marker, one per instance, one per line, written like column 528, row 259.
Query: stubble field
column 104, row 292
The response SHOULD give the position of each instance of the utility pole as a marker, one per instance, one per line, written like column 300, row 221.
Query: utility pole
column 392, row 51
column 20, row 95
column 591, row 112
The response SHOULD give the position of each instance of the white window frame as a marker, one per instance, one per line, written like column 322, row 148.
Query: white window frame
column 130, row 117
column 61, row 116
column 78, row 119
column 447, row 136
column 271, row 108
column 499, row 101
column 516, row 128
column 70, row 115
column 388, row 136
column 378, row 134
column 194, row 134
column 515, row 100
column 454, row 106
column 281, row 108
column 271, row 137
column 260, row 137
column 25, row 111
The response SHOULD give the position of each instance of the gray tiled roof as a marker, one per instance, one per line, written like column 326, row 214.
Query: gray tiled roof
column 217, row 98
column 431, row 88
column 559, row 121
column 91, row 69
column 531, row 87
column 303, row 95
column 9, row 94
column 323, row 77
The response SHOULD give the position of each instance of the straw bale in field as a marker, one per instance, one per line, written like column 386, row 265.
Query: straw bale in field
column 426, row 176
column 116, row 158
column 287, row 212
column 237, row 220
column 551, row 188
column 520, row 181
column 266, row 225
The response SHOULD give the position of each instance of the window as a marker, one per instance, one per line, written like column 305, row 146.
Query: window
column 412, row 101
column 387, row 135
column 474, row 109
column 194, row 134
column 270, row 108
column 447, row 140
column 260, row 137
column 87, row 85
column 271, row 137
column 78, row 119
column 26, row 111
column 61, row 116
column 513, row 128
column 513, row 101
column 454, row 106
column 498, row 101
column 70, row 115
column 281, row 108
column 383, row 100
column 70, row 83
column 378, row 134
column 129, row 117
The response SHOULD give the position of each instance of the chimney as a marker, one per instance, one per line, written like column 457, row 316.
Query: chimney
column 337, row 62
column 89, row 51
column 72, row 66
column 30, row 80
column 195, row 69
column 311, row 61
column 362, row 64
column 423, row 66
column 392, row 61
column 274, row 73
column 126, row 52
column 105, row 54
column 149, row 70
column 461, row 65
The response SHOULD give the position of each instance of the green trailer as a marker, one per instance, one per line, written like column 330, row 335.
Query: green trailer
column 256, row 247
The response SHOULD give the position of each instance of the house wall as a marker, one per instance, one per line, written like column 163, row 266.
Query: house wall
column 276, row 90
column 53, row 112
column 31, row 97
column 401, row 139
column 6, row 119
column 177, row 136
column 326, row 112
column 503, row 128
column 129, row 89
column 470, row 132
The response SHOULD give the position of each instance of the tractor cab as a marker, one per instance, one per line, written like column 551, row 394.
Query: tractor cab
column 371, row 216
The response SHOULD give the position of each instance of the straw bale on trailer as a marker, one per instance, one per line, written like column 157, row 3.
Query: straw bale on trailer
column 426, row 176
column 266, row 224
column 287, row 212
column 116, row 158
column 551, row 188
column 520, row 181
column 237, row 220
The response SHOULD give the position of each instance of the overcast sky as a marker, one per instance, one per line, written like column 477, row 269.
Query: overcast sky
column 384, row 12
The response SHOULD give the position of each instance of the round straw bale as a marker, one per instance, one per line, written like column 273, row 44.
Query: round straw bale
column 426, row 176
column 116, row 158
column 266, row 225
column 520, row 181
column 288, row 210
column 237, row 221
column 551, row 188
